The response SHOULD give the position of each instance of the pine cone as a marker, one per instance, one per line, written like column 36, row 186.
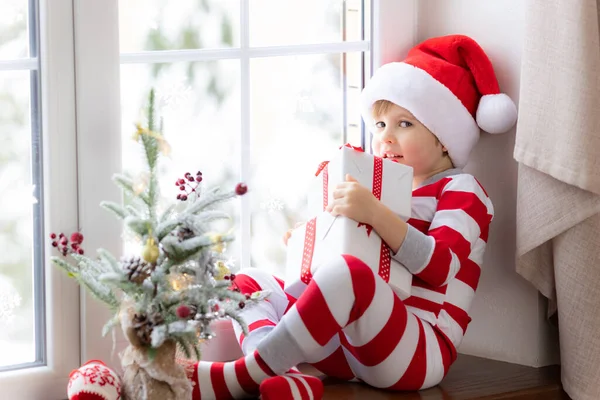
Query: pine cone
column 137, row 269
column 193, row 310
column 156, row 318
column 143, row 326
column 184, row 234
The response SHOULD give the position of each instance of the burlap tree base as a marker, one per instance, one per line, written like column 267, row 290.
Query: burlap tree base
column 156, row 378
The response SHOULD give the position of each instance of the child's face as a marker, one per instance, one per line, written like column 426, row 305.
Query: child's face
column 398, row 135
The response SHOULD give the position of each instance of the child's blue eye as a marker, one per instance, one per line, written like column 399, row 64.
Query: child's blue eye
column 405, row 124
column 380, row 125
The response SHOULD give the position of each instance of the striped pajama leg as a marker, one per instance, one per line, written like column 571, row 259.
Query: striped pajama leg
column 260, row 319
column 385, row 345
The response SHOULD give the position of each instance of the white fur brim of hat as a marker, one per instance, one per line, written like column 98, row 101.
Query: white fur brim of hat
column 436, row 107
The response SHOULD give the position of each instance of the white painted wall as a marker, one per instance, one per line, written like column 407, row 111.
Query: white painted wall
column 508, row 314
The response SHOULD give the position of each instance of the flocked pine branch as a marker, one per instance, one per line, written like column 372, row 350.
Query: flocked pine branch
column 179, row 283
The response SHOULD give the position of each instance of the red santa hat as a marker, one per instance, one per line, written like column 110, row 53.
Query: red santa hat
column 448, row 84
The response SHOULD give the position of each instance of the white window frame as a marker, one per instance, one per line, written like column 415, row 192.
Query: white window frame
column 98, row 61
column 80, row 65
column 61, row 294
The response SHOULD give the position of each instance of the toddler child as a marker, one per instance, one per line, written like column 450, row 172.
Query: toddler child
column 425, row 112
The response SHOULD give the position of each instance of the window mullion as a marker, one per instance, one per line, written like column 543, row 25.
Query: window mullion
column 244, row 148
column 98, row 149
column 37, row 173
column 16, row 65
column 193, row 55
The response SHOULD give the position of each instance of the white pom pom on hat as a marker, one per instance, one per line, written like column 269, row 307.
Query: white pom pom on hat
column 448, row 83
column 496, row 113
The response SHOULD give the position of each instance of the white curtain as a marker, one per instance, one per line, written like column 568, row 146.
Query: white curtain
column 558, row 206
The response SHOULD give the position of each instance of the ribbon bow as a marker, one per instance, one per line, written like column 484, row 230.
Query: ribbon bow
column 324, row 163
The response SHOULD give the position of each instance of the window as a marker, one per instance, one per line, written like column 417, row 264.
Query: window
column 34, row 334
column 234, row 83
column 21, row 314
column 249, row 90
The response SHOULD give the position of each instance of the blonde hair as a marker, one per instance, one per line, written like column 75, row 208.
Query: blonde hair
column 381, row 107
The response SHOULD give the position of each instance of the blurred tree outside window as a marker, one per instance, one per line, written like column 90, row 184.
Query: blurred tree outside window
column 20, row 210
column 301, row 106
column 275, row 81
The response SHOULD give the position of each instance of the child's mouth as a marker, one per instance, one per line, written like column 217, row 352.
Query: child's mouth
column 393, row 158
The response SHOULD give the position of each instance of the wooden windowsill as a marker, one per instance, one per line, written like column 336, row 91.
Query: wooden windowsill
column 469, row 378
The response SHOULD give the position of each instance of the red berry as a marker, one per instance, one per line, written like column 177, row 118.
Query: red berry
column 183, row 311
column 199, row 178
column 215, row 308
column 64, row 241
column 241, row 189
column 61, row 235
column 179, row 196
column 190, row 178
column 177, row 182
column 80, row 251
column 226, row 277
column 187, row 174
column 198, row 173
column 74, row 246
column 184, row 197
column 181, row 187
column 232, row 277
column 242, row 305
column 77, row 237
column 247, row 297
column 53, row 236
column 181, row 181
column 54, row 244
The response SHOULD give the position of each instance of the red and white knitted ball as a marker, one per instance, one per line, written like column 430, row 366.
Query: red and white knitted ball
column 94, row 381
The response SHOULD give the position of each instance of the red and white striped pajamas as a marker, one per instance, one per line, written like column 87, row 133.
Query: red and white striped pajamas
column 351, row 325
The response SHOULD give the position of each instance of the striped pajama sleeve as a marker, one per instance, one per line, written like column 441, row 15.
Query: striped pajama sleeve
column 461, row 218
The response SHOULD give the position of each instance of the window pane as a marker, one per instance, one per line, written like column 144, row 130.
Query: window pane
column 297, row 109
column 17, row 316
column 175, row 25
column 14, row 34
column 276, row 22
column 200, row 106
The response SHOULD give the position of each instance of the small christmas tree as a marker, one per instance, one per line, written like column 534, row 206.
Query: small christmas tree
column 171, row 292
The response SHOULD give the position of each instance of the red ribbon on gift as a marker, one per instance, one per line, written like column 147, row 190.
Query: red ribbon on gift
column 323, row 168
column 309, row 249
column 309, row 238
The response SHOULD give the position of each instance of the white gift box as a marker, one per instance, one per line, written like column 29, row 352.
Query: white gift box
column 389, row 181
column 314, row 243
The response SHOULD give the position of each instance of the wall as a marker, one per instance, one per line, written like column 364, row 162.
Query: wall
column 509, row 321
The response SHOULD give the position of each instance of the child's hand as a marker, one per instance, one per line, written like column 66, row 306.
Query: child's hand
column 288, row 234
column 353, row 200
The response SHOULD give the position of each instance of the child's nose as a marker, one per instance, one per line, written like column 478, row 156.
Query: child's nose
column 387, row 136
